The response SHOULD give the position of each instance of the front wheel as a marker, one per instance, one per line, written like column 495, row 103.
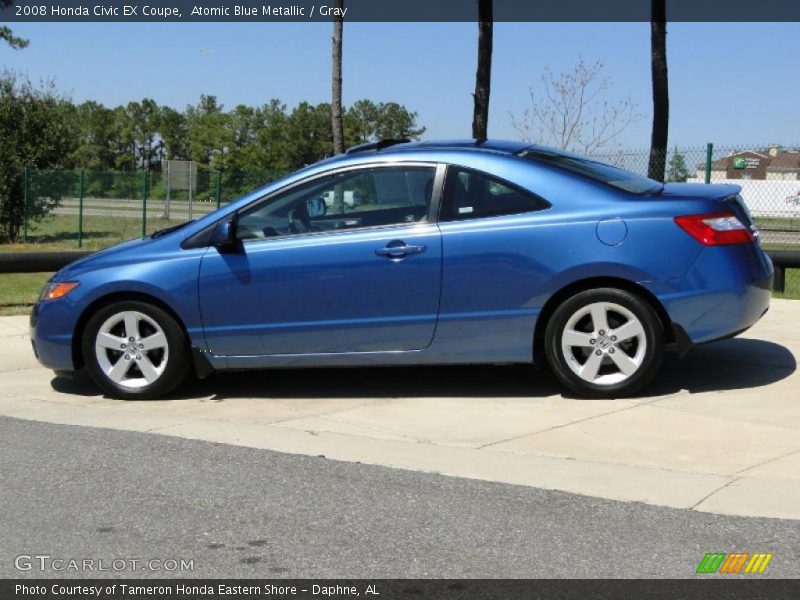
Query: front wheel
column 134, row 350
column 604, row 343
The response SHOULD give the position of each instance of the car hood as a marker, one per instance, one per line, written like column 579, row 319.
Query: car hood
column 100, row 256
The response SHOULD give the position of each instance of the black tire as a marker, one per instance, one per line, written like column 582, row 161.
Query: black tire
column 174, row 354
column 642, row 352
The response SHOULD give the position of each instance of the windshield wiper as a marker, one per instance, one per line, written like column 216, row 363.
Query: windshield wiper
column 169, row 229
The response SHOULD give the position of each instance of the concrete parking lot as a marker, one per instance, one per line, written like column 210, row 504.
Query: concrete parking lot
column 718, row 432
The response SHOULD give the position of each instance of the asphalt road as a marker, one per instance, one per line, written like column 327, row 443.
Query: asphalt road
column 74, row 492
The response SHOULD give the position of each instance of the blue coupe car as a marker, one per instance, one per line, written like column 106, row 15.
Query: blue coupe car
column 425, row 253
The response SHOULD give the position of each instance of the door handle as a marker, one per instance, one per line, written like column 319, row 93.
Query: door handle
column 399, row 251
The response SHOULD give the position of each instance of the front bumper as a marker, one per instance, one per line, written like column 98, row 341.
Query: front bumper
column 52, row 324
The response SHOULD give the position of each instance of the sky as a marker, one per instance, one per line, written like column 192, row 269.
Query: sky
column 730, row 83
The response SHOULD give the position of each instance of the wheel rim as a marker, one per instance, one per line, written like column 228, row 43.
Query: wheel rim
column 132, row 349
column 604, row 343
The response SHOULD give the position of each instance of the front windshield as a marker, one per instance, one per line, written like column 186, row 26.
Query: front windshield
column 581, row 165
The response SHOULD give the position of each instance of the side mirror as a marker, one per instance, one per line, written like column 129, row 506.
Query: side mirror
column 316, row 207
column 225, row 235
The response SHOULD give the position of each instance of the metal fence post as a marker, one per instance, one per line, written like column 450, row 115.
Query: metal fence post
column 80, row 213
column 25, row 204
column 166, row 205
column 190, row 191
column 709, row 152
column 144, row 203
column 219, row 188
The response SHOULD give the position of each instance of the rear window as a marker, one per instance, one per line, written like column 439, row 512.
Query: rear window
column 581, row 165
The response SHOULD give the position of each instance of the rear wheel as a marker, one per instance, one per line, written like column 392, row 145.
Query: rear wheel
column 134, row 350
column 604, row 342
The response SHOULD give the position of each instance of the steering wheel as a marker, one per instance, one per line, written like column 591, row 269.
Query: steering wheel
column 299, row 221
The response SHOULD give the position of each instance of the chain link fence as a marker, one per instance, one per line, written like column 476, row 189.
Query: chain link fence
column 769, row 175
column 94, row 209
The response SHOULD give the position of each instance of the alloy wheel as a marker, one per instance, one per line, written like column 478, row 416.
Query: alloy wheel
column 132, row 349
column 604, row 343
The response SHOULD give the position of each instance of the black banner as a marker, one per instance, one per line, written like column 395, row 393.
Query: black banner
column 732, row 588
column 395, row 10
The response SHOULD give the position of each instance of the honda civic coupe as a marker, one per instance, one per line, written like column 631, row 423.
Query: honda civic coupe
column 427, row 253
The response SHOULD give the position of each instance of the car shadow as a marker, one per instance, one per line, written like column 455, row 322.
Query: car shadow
column 733, row 364
column 371, row 382
column 719, row 366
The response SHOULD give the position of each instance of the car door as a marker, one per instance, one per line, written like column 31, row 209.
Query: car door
column 346, row 262
column 493, row 244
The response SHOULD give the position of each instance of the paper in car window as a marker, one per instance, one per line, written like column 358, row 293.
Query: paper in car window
column 464, row 210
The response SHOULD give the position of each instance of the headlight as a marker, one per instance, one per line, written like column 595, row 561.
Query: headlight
column 51, row 291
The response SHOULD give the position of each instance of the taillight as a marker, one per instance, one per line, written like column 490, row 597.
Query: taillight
column 715, row 229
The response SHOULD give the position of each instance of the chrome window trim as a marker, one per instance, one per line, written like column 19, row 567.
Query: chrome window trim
column 430, row 218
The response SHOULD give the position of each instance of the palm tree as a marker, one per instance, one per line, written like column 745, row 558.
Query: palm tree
column 483, row 75
column 658, row 59
column 336, row 101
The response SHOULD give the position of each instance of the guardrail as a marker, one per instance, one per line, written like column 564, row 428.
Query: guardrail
column 37, row 262
column 44, row 262
column 782, row 260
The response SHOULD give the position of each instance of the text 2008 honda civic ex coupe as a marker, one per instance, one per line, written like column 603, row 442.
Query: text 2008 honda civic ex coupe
column 419, row 254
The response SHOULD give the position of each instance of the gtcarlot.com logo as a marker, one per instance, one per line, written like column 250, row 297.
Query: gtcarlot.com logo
column 734, row 563
column 45, row 562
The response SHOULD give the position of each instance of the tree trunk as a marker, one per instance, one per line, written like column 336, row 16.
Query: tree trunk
column 336, row 100
column 658, row 57
column 483, row 76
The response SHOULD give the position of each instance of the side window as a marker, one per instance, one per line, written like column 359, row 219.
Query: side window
column 371, row 197
column 472, row 195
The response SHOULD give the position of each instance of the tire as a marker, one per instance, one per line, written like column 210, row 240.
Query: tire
column 120, row 359
column 604, row 343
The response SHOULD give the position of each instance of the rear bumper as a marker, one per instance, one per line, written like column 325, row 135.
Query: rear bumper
column 727, row 290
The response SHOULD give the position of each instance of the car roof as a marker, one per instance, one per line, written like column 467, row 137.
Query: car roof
column 394, row 146
column 505, row 146
column 468, row 151
column 501, row 157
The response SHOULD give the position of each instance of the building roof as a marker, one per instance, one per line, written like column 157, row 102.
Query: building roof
column 782, row 161
column 785, row 161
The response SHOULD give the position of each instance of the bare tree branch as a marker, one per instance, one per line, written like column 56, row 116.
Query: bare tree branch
column 575, row 113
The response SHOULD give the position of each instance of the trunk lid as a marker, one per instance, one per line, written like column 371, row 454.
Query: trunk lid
column 711, row 191
column 726, row 194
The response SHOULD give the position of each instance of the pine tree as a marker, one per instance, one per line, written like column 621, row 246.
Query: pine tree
column 677, row 170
